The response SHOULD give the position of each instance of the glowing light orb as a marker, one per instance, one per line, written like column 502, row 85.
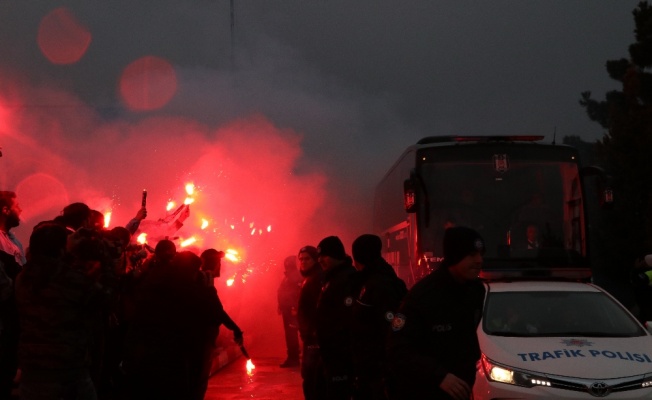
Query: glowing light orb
column 62, row 38
column 148, row 83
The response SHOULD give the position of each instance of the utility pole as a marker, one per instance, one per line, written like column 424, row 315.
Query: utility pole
column 232, row 33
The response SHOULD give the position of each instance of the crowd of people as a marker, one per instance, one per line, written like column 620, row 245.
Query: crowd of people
column 87, row 314
column 365, row 337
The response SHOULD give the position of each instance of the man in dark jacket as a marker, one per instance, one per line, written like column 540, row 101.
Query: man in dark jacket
column 433, row 347
column 288, row 301
column 12, row 258
column 58, row 297
column 379, row 298
column 334, row 317
column 312, row 370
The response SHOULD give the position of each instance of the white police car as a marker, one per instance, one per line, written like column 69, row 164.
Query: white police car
column 555, row 339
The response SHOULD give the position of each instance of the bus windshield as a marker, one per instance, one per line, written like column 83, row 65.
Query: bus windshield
column 528, row 210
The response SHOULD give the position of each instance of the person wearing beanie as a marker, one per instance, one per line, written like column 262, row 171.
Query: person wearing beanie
column 312, row 371
column 288, row 301
column 334, row 313
column 373, row 311
column 433, row 347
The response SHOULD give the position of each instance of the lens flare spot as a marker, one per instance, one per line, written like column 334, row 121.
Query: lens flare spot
column 62, row 38
column 148, row 83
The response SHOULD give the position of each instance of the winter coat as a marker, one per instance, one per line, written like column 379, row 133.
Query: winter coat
column 379, row 298
column 307, row 309
column 433, row 334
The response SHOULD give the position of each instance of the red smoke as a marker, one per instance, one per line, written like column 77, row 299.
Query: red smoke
column 245, row 177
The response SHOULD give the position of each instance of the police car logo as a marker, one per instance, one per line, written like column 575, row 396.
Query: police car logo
column 348, row 301
column 398, row 322
column 389, row 316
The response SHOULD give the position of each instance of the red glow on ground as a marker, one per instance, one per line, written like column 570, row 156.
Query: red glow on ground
column 62, row 38
column 148, row 83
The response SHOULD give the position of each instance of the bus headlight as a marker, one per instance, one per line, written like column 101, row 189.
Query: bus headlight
column 512, row 376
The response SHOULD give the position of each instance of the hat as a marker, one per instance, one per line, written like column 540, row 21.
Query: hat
column 331, row 246
column 165, row 250
column 459, row 242
column 311, row 250
column 366, row 248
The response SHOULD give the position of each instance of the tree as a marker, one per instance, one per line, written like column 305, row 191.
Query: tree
column 626, row 148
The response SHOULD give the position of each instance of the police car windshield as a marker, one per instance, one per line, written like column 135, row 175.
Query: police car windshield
column 562, row 313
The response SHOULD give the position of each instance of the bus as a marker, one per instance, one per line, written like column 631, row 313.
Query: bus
column 524, row 197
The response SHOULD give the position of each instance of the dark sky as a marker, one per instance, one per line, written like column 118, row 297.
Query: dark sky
column 346, row 85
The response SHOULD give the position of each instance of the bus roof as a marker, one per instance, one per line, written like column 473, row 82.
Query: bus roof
column 474, row 138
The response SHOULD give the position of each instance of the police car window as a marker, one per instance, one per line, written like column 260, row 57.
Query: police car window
column 561, row 313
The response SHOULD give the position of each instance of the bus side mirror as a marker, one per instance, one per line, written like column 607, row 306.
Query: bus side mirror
column 607, row 198
column 604, row 191
column 409, row 196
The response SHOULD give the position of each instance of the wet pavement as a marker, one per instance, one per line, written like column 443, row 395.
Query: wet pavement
column 267, row 381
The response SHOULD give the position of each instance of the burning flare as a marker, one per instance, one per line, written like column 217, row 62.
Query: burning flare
column 250, row 367
column 232, row 255
column 188, row 241
column 142, row 238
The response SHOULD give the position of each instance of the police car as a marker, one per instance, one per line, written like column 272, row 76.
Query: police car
column 560, row 339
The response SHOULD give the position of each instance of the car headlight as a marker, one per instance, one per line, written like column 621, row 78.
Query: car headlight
column 512, row 376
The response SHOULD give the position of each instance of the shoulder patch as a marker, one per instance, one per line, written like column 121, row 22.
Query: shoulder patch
column 348, row 301
column 398, row 322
